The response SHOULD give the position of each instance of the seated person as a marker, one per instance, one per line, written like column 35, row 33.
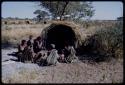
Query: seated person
column 28, row 52
column 53, row 56
column 66, row 53
column 21, row 48
column 61, row 54
column 37, row 46
column 70, row 54
column 30, row 40
column 41, row 59
column 39, row 56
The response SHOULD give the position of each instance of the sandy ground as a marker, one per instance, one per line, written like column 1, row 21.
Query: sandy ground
column 79, row 72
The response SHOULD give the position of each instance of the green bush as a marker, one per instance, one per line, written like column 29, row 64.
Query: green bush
column 111, row 40
column 106, row 42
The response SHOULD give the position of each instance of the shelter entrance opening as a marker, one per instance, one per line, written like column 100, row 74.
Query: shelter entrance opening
column 60, row 35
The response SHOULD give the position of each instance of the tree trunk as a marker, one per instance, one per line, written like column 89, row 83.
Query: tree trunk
column 64, row 10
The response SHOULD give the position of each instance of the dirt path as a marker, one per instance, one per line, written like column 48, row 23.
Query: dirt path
column 17, row 72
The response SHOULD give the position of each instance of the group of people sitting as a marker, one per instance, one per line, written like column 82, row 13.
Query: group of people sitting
column 34, row 51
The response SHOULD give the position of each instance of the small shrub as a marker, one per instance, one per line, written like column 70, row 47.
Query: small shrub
column 112, row 39
column 105, row 42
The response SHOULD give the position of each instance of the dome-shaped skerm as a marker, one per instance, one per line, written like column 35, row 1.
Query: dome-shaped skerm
column 61, row 34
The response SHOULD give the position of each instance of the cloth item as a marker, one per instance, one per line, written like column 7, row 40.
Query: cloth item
column 72, row 55
column 53, row 56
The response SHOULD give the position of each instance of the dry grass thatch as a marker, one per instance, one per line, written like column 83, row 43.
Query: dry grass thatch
column 74, row 27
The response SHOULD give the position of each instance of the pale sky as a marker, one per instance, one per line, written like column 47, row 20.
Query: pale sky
column 104, row 10
column 107, row 10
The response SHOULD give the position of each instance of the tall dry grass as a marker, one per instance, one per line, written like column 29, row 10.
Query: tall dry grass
column 13, row 34
column 105, row 38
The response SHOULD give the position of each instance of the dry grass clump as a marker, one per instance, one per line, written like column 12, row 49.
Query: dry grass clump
column 106, row 42
column 96, row 23
column 111, row 72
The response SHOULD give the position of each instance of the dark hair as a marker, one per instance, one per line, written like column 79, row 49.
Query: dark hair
column 39, row 38
column 23, row 41
column 61, row 51
column 30, row 36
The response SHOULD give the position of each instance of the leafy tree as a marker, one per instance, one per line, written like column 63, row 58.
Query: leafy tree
column 16, row 18
column 120, row 18
column 76, row 10
column 41, row 15
column 9, row 18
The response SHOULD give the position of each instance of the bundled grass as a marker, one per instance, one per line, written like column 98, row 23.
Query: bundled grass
column 106, row 42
